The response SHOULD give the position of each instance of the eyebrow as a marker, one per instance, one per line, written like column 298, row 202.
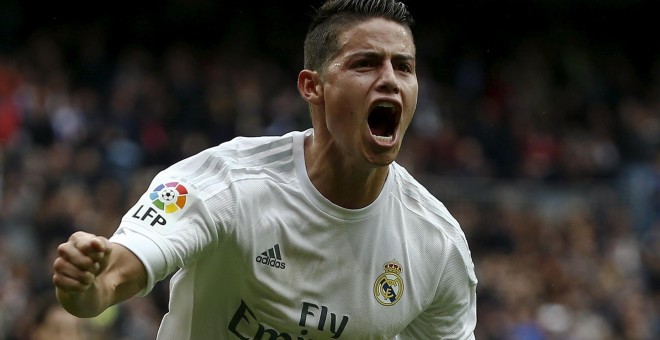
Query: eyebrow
column 377, row 55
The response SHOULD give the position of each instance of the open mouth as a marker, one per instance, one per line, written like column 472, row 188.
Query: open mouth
column 383, row 120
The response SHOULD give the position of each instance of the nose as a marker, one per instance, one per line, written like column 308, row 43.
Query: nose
column 388, row 81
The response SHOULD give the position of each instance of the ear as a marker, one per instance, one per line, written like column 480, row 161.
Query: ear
column 310, row 87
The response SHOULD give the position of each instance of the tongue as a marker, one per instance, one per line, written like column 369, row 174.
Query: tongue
column 378, row 130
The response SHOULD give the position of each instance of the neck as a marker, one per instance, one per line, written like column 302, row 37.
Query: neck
column 342, row 180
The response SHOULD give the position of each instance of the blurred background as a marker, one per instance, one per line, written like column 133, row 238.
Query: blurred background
column 538, row 125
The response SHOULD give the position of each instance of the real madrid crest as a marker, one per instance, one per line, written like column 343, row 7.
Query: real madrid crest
column 388, row 288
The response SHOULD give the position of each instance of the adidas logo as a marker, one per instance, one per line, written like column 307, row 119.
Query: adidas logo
column 271, row 257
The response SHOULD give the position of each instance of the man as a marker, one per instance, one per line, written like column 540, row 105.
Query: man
column 317, row 234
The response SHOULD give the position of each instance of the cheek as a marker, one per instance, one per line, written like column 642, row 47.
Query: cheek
column 340, row 121
column 342, row 101
column 411, row 104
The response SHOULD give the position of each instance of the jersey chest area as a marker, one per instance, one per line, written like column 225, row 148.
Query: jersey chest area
column 318, row 277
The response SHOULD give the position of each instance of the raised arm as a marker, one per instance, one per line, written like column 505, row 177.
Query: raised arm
column 91, row 274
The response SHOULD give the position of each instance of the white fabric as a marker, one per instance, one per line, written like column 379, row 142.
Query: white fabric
column 250, row 201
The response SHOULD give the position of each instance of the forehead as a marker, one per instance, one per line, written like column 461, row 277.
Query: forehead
column 377, row 34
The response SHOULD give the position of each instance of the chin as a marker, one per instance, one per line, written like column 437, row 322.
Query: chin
column 382, row 160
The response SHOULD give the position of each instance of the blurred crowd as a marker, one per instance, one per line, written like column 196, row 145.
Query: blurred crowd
column 548, row 156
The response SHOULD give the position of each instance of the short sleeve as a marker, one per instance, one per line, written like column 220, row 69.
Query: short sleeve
column 168, row 228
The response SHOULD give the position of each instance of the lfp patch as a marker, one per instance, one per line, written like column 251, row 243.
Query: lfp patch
column 169, row 197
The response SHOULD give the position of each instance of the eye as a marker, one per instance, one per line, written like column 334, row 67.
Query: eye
column 364, row 63
column 405, row 67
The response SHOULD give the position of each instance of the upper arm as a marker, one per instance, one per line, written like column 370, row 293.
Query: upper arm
column 452, row 314
column 455, row 321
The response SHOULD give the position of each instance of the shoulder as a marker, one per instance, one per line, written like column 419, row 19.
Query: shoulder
column 437, row 222
column 416, row 197
column 241, row 150
column 234, row 164
column 240, row 157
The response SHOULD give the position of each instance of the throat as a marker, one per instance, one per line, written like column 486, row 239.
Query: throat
column 339, row 180
column 348, row 189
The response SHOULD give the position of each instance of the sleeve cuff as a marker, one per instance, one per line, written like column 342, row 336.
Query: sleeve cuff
column 149, row 253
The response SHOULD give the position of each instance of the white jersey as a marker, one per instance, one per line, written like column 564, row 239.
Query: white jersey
column 259, row 253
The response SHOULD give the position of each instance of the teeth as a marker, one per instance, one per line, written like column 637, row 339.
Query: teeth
column 385, row 104
column 385, row 139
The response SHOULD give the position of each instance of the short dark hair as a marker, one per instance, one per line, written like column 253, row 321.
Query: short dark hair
column 336, row 16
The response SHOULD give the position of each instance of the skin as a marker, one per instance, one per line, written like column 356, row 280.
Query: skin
column 376, row 63
column 91, row 274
